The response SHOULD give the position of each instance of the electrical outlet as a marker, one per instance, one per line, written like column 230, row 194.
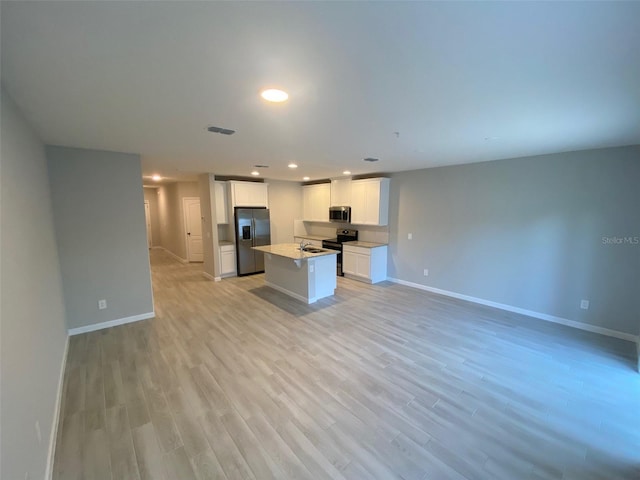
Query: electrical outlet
column 409, row 236
column 426, row 272
column 584, row 304
column 311, row 268
column 38, row 432
column 102, row 304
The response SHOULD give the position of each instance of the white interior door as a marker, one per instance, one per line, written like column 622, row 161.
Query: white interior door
column 147, row 218
column 193, row 228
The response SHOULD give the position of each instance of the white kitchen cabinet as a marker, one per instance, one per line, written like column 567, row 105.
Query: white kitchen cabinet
column 315, row 202
column 310, row 241
column 227, row 256
column 222, row 210
column 365, row 264
column 370, row 201
column 249, row 194
column 341, row 192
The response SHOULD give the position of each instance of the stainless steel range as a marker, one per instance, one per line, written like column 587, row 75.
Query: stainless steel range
column 342, row 236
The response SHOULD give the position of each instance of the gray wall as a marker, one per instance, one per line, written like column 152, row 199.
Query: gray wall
column 526, row 232
column 98, row 206
column 33, row 316
column 285, row 205
column 209, row 227
column 172, row 215
column 151, row 194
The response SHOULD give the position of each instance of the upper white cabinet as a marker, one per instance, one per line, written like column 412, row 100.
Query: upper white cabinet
column 341, row 192
column 222, row 212
column 370, row 201
column 316, row 201
column 249, row 194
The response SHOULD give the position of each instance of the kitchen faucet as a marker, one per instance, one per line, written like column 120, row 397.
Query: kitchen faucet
column 304, row 245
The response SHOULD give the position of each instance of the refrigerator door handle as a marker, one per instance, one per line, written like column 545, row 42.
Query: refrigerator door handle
column 253, row 230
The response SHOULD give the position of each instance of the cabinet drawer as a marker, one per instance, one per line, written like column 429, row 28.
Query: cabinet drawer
column 358, row 250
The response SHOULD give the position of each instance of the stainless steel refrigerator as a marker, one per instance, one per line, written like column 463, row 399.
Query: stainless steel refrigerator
column 252, row 230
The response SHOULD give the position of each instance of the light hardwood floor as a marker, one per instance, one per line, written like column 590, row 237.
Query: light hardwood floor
column 233, row 380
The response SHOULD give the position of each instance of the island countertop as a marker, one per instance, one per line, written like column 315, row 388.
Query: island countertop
column 292, row 250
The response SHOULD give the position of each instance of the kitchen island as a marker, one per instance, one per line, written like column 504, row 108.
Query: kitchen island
column 305, row 275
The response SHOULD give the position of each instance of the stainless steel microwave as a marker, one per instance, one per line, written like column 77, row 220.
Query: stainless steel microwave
column 340, row 214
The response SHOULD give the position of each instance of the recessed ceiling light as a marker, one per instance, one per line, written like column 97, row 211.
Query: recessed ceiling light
column 346, row 172
column 255, row 173
column 292, row 165
column 156, row 178
column 306, row 178
column 274, row 95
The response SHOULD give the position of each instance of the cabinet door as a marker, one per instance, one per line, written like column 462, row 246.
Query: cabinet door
column 227, row 261
column 322, row 201
column 249, row 194
column 222, row 215
column 258, row 195
column 370, row 201
column 349, row 262
column 341, row 192
column 363, row 265
column 315, row 202
column 307, row 203
column 358, row 203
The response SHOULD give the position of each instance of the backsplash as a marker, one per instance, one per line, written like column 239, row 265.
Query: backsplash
column 366, row 233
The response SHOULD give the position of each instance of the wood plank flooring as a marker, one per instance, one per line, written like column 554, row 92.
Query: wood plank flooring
column 233, row 380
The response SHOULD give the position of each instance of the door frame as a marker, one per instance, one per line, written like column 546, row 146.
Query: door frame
column 185, row 226
column 147, row 218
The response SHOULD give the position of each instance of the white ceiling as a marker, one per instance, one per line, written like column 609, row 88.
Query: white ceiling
column 460, row 82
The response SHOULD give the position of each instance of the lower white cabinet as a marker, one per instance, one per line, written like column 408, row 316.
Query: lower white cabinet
column 227, row 260
column 365, row 264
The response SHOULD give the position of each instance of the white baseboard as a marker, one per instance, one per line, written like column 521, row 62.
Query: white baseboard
column 290, row 293
column 56, row 414
column 209, row 276
column 111, row 323
column 180, row 259
column 217, row 279
column 530, row 313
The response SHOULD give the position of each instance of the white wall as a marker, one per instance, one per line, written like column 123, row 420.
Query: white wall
column 33, row 333
column 526, row 232
column 98, row 207
column 209, row 228
column 285, row 205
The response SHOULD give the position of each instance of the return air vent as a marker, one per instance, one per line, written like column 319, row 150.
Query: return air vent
column 223, row 131
column 371, row 159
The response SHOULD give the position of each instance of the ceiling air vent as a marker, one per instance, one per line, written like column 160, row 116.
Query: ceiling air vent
column 371, row 159
column 223, row 131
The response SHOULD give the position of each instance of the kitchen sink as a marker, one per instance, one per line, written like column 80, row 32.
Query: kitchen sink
column 313, row 250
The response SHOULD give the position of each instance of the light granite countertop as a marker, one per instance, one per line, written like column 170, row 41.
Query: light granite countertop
column 358, row 243
column 292, row 250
